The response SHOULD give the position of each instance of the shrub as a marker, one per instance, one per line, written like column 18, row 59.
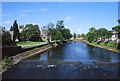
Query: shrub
column 6, row 39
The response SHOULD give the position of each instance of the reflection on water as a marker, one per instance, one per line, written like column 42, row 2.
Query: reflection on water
column 74, row 59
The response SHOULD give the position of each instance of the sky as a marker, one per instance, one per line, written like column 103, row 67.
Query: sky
column 77, row 16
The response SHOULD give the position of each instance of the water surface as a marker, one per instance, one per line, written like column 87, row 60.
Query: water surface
column 45, row 65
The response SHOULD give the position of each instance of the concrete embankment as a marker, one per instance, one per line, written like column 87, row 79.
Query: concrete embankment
column 4, row 65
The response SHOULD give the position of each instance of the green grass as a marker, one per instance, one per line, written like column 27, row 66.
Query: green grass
column 29, row 43
column 95, row 42
column 112, row 44
column 102, row 43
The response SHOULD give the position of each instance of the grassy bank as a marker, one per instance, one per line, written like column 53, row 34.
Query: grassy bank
column 26, row 44
column 108, row 46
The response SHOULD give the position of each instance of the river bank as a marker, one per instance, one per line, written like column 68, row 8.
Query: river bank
column 9, row 62
column 101, row 46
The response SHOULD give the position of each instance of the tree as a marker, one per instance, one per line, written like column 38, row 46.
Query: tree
column 23, row 36
column 58, row 36
column 60, row 25
column 89, row 37
column 83, row 35
column 118, row 21
column 6, row 39
column 92, row 29
column 11, row 29
column 74, row 35
column 31, row 32
column 102, row 33
column 50, row 28
column 66, row 33
column 79, row 35
column 16, row 33
column 117, row 28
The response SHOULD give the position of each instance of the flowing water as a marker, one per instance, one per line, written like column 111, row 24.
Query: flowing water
column 73, row 60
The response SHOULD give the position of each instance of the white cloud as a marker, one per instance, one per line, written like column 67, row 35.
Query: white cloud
column 27, row 10
column 23, row 15
column 35, row 23
column 79, row 30
column 35, row 10
column 69, row 17
column 43, row 9
column 7, row 22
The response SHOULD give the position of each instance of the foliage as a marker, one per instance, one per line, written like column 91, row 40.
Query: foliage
column 74, row 35
column 100, row 33
column 11, row 29
column 6, row 39
column 118, row 20
column 60, row 25
column 58, row 33
column 89, row 37
column 16, row 33
column 30, row 32
column 66, row 34
column 117, row 28
column 79, row 35
column 83, row 35
column 58, row 36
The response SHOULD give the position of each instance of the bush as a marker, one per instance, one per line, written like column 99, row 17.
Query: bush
column 6, row 39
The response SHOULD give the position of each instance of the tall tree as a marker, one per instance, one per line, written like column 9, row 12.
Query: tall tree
column 60, row 25
column 74, row 35
column 11, row 29
column 16, row 33
column 79, row 35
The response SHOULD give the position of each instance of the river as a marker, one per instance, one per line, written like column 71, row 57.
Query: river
column 73, row 60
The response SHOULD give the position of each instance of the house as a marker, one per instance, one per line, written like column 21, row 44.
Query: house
column 43, row 33
column 99, row 39
column 114, row 36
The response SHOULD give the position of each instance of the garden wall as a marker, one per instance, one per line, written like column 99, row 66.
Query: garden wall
column 10, row 50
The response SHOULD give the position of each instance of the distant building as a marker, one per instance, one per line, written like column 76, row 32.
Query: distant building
column 43, row 34
column 114, row 36
column 21, row 28
column 99, row 39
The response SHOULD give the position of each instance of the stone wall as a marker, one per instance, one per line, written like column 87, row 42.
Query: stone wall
column 10, row 50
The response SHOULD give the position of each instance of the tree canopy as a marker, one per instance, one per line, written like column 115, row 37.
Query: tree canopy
column 59, row 32
column 6, row 39
column 74, row 35
column 31, row 32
